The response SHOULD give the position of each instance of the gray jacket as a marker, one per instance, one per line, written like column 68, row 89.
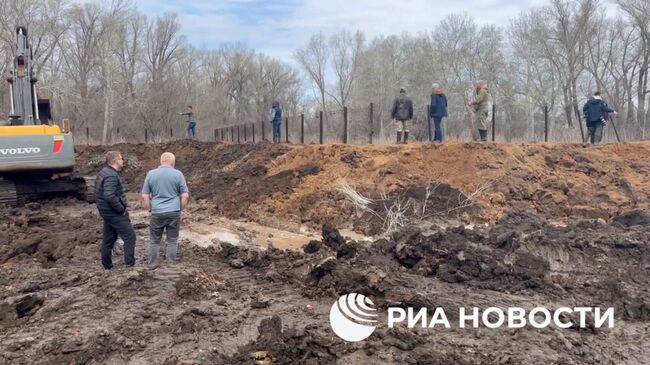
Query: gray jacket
column 402, row 108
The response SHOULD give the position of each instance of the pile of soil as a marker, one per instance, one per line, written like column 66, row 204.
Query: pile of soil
column 280, row 184
column 233, row 176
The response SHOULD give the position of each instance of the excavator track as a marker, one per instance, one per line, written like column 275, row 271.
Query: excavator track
column 8, row 193
column 21, row 191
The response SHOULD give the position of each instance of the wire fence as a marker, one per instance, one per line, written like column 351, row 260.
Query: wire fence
column 368, row 125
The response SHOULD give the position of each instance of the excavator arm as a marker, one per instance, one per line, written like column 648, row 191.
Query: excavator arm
column 36, row 158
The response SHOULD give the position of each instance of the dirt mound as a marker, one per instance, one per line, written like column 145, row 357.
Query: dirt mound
column 520, row 254
column 283, row 184
column 199, row 161
column 555, row 181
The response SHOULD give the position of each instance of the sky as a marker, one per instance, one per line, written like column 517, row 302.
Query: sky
column 278, row 27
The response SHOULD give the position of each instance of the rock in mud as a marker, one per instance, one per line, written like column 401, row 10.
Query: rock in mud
column 637, row 217
column 237, row 263
column 347, row 250
column 332, row 237
column 324, row 267
column 312, row 247
column 28, row 305
column 260, row 302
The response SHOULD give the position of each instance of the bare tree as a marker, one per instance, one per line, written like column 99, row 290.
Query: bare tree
column 639, row 13
column 163, row 47
column 163, row 44
column 346, row 53
column 313, row 58
column 80, row 54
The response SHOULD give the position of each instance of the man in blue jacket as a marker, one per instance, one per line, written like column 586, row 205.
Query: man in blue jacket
column 276, row 120
column 595, row 112
column 112, row 206
column 438, row 110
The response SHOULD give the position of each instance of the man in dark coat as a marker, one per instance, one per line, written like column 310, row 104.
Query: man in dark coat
column 112, row 206
column 402, row 112
column 595, row 113
column 438, row 110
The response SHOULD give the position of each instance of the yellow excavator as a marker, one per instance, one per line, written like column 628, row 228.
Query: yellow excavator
column 36, row 158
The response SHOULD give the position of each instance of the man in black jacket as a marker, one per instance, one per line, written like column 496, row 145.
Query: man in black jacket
column 112, row 206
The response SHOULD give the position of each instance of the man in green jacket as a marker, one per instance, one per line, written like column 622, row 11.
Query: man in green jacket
column 482, row 108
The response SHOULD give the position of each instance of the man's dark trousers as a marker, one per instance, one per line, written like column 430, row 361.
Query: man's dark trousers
column 114, row 226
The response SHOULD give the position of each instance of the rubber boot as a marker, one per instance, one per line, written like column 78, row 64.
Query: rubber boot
column 399, row 137
column 406, row 137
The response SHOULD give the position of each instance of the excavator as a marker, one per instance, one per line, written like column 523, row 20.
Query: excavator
column 36, row 157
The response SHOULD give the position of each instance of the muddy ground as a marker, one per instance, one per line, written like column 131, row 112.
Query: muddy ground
column 237, row 296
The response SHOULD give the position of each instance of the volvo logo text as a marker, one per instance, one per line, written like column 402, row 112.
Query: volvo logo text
column 19, row 151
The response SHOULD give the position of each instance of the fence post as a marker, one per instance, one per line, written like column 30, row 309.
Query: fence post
column 582, row 132
column 238, row 134
column 372, row 116
column 263, row 132
column 253, row 127
column 221, row 132
column 302, row 128
column 118, row 132
column 345, row 125
column 494, row 120
column 215, row 134
column 88, row 136
column 146, row 136
column 320, row 138
column 232, row 134
column 545, row 123
column 429, row 121
column 171, row 132
column 286, row 129
column 611, row 118
column 245, row 133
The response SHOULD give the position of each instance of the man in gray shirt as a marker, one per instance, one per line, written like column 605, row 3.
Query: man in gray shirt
column 164, row 194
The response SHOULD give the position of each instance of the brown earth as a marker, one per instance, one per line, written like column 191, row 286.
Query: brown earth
column 567, row 226
column 279, row 184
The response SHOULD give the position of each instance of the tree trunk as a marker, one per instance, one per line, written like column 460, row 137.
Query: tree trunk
column 641, row 93
column 567, row 107
column 107, row 106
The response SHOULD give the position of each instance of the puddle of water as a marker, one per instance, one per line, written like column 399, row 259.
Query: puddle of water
column 243, row 233
column 206, row 240
column 236, row 232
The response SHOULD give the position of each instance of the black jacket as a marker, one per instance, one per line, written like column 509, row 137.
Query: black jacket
column 109, row 193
